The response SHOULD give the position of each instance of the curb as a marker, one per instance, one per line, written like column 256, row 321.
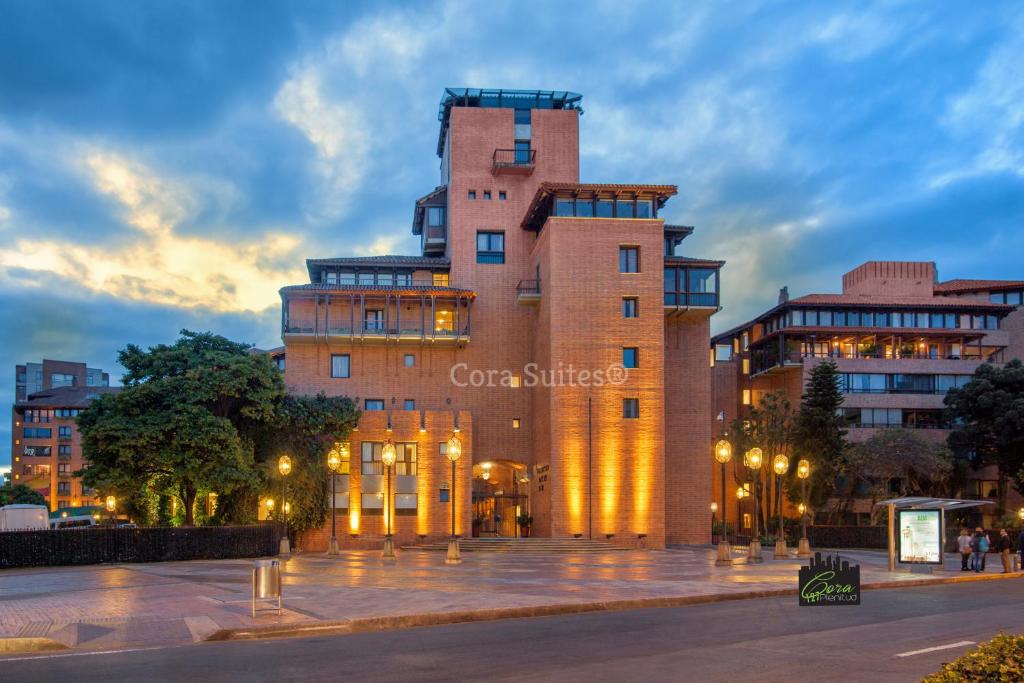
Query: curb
column 19, row 644
column 375, row 624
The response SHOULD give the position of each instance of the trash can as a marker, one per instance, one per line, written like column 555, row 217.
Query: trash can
column 266, row 583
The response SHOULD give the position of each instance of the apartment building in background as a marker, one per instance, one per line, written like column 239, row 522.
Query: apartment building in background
column 900, row 338
column 45, row 443
column 554, row 325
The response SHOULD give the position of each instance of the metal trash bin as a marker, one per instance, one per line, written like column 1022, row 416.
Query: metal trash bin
column 266, row 583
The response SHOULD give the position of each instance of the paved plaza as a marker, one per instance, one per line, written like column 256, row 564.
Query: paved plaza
column 139, row 605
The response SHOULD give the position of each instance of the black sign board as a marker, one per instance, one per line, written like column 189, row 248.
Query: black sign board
column 829, row 582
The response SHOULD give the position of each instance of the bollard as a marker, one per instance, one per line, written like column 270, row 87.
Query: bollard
column 266, row 583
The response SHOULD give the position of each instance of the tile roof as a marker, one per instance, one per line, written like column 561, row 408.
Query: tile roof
column 960, row 285
column 693, row 261
column 388, row 289
column 389, row 260
column 66, row 397
column 534, row 214
column 894, row 300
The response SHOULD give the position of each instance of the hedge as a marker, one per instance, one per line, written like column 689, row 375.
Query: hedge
column 96, row 545
column 1000, row 660
column 848, row 536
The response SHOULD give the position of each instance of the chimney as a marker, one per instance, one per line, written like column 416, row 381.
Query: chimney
column 783, row 295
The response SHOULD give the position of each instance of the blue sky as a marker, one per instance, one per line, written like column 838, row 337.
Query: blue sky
column 170, row 164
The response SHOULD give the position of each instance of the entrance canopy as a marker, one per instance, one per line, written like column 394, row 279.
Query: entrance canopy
column 912, row 502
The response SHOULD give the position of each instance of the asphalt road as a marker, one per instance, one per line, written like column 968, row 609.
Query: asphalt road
column 769, row 640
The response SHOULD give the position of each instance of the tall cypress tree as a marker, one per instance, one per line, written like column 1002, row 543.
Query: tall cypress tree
column 819, row 433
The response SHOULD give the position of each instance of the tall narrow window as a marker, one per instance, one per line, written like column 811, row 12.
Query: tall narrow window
column 630, row 307
column 490, row 247
column 341, row 365
column 630, row 357
column 522, row 152
column 629, row 259
column 631, row 408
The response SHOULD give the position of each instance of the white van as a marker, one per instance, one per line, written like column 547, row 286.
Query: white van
column 24, row 517
column 75, row 522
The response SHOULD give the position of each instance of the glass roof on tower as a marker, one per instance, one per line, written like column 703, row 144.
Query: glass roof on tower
column 500, row 98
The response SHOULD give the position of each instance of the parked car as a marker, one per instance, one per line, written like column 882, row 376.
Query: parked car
column 75, row 522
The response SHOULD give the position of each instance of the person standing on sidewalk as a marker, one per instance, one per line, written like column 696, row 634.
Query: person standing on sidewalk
column 1005, row 546
column 988, row 546
column 963, row 544
column 979, row 546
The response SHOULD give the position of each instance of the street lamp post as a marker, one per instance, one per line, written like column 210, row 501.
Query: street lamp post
column 781, row 465
column 714, row 509
column 284, row 466
column 723, row 454
column 111, row 505
column 388, row 455
column 453, row 451
column 803, row 471
column 334, row 459
column 753, row 459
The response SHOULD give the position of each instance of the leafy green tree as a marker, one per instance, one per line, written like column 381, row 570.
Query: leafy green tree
column 184, row 422
column 19, row 494
column 819, row 433
column 899, row 456
column 988, row 413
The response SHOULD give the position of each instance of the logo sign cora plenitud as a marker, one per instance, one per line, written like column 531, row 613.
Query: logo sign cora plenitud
column 829, row 581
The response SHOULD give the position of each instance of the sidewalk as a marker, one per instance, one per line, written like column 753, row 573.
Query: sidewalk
column 140, row 605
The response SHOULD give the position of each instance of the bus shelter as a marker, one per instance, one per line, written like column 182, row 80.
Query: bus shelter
column 917, row 528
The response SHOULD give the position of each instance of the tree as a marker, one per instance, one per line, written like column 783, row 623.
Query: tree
column 899, row 456
column 988, row 414
column 19, row 494
column 819, row 433
column 185, row 420
column 769, row 426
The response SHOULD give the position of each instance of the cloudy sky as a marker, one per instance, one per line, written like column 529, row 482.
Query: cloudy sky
column 170, row 164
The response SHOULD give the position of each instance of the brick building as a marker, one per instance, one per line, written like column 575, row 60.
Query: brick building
column 900, row 338
column 531, row 294
column 45, row 443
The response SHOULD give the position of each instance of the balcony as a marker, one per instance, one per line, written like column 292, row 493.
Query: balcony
column 513, row 161
column 528, row 292
column 435, row 238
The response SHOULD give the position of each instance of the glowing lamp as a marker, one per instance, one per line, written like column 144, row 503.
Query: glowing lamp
column 780, row 464
column 714, row 507
column 1020, row 513
column 803, row 469
column 801, row 508
column 454, row 449
column 723, row 451
column 753, row 458
column 741, row 493
column 388, row 454
column 287, row 507
column 270, row 503
column 110, row 503
column 284, row 465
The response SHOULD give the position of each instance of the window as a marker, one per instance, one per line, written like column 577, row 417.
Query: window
column 502, row 195
column 522, row 152
column 584, row 208
column 59, row 379
column 373, row 404
column 564, row 207
column 490, row 247
column 746, row 366
column 440, row 279
column 472, row 194
column 435, row 216
column 64, row 432
column 405, row 504
column 644, row 208
column 746, row 397
column 629, row 259
column 723, row 352
column 863, row 383
column 630, row 357
column 279, row 363
column 64, row 488
column 631, row 408
column 386, row 279
column 405, row 459
column 410, row 360
column 487, row 194
column 409, row 404
column 341, row 365
column 63, row 468
column 515, row 423
column 64, row 450
column 371, row 462
column 603, row 208
column 37, row 433
column 522, row 116
column 630, row 307
column 373, row 320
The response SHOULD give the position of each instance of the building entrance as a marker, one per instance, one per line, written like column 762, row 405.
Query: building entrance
column 501, row 499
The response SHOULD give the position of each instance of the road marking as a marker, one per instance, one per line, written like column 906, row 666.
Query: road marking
column 89, row 653
column 962, row 643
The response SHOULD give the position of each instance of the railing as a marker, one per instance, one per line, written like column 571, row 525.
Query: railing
column 528, row 287
column 376, row 330
column 404, row 282
column 706, row 299
column 514, row 158
column 799, row 356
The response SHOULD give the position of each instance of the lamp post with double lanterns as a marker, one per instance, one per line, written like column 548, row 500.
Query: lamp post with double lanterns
column 284, row 467
column 453, row 451
column 388, row 455
column 337, row 454
column 723, row 454
column 780, row 463
column 803, row 471
column 752, row 459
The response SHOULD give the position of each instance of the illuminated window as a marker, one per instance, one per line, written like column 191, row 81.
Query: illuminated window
column 746, row 520
column 746, row 366
column 746, row 397
column 440, row 279
column 515, row 423
column 515, row 382
column 711, row 354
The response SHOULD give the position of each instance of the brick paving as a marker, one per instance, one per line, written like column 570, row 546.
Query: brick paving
column 114, row 606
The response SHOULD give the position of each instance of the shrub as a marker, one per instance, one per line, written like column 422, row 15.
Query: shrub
column 999, row 660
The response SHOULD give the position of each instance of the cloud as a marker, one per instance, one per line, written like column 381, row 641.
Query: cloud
column 153, row 263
